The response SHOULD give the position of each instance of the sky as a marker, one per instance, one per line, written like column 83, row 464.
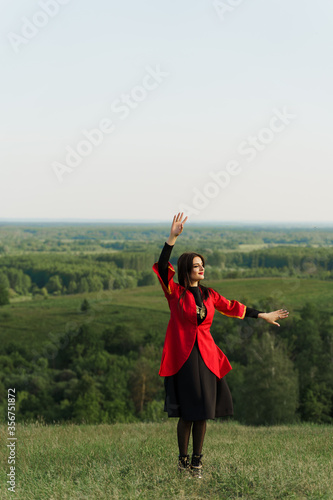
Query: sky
column 137, row 110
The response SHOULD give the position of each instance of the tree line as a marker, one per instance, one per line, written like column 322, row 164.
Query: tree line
column 41, row 275
column 79, row 237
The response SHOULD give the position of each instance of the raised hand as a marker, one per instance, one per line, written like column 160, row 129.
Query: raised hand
column 271, row 317
column 177, row 227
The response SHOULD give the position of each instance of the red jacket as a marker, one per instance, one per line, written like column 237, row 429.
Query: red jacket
column 183, row 329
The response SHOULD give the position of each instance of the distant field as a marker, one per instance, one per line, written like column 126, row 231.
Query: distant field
column 31, row 322
column 242, row 247
column 138, row 461
column 293, row 292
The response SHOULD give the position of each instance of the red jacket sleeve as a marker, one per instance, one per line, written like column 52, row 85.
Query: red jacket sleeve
column 169, row 290
column 231, row 308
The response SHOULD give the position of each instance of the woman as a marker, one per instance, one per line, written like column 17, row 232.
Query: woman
column 192, row 364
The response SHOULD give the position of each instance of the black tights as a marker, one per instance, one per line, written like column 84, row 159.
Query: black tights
column 198, row 434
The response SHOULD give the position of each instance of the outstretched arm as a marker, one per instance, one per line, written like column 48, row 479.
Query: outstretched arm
column 176, row 228
column 271, row 317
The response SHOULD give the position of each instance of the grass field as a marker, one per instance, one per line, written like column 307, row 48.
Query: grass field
column 31, row 322
column 138, row 461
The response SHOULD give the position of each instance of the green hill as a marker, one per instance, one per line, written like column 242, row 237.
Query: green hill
column 101, row 364
column 33, row 322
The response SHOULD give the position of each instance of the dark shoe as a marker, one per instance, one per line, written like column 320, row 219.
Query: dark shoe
column 196, row 466
column 183, row 463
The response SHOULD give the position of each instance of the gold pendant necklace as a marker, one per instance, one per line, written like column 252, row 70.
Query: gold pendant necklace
column 201, row 311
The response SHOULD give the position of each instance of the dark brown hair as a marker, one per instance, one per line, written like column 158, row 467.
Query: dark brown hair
column 185, row 265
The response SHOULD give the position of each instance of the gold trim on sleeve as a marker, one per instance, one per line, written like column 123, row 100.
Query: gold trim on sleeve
column 232, row 315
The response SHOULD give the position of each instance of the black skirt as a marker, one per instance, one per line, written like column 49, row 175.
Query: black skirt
column 195, row 393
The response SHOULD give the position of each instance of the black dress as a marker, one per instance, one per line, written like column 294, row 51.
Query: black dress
column 194, row 392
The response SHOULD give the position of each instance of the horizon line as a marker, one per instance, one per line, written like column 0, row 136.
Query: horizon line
column 163, row 221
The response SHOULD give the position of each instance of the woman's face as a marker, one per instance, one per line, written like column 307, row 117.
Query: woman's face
column 197, row 272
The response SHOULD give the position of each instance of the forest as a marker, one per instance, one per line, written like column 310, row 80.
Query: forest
column 82, row 320
column 43, row 260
